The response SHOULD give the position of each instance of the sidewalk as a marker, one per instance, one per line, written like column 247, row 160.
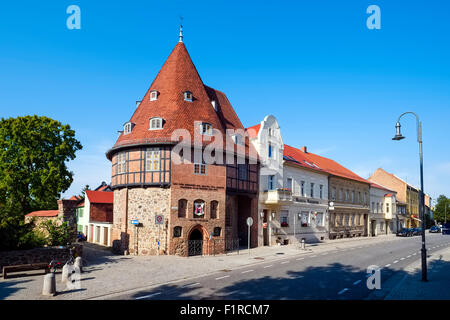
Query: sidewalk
column 103, row 275
column 438, row 286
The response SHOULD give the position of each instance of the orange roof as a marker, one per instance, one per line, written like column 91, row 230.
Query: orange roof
column 43, row 213
column 298, row 157
column 324, row 164
column 100, row 196
column 177, row 75
column 253, row 131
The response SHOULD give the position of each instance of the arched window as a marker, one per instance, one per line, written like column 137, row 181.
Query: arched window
column 127, row 127
column 177, row 232
column 199, row 209
column 216, row 232
column 156, row 123
column 182, row 208
column 213, row 209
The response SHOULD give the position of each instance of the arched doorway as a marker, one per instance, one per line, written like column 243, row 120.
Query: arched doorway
column 195, row 243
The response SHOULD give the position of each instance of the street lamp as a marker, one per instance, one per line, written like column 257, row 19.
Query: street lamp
column 398, row 136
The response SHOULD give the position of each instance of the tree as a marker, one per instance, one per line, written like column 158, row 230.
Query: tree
column 440, row 211
column 59, row 234
column 33, row 155
column 83, row 191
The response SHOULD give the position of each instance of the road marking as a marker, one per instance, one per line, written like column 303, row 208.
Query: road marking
column 247, row 271
column 395, row 261
column 219, row 278
column 343, row 290
column 299, row 259
column 414, row 253
column 285, row 262
column 409, row 256
column 268, row 266
column 314, row 256
column 356, row 282
column 191, row 285
column 402, row 258
column 148, row 296
column 388, row 265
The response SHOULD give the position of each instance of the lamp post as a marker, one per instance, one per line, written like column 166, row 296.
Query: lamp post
column 399, row 136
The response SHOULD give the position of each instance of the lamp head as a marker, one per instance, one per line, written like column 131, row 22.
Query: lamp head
column 398, row 134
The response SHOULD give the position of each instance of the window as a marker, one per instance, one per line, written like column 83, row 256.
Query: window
column 153, row 95
column 333, row 193
column 353, row 196
column 177, row 232
column 378, row 207
column 341, row 194
column 182, row 208
column 289, row 183
column 121, row 162
column 213, row 209
column 237, row 139
column 359, row 197
column 243, row 172
column 156, row 123
column 199, row 209
column 152, row 160
column 387, row 207
column 270, row 150
column 127, row 128
column 284, row 218
column 270, row 182
column 319, row 219
column 200, row 168
column 270, row 132
column 206, row 129
column 188, row 96
column 216, row 232
column 80, row 212
column 373, row 206
column 321, row 191
column 312, row 190
column 347, row 195
column 302, row 188
column 305, row 218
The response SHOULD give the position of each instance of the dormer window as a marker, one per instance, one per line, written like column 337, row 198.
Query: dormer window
column 127, row 127
column 153, row 95
column 206, row 129
column 156, row 123
column 188, row 96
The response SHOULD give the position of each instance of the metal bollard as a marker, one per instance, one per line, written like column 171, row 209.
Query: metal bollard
column 303, row 243
column 49, row 288
column 78, row 264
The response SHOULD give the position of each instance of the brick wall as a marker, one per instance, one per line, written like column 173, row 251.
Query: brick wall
column 101, row 212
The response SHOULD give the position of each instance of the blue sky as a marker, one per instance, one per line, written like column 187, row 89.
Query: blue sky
column 334, row 85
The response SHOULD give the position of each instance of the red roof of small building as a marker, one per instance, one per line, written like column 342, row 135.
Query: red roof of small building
column 100, row 196
column 43, row 213
column 253, row 131
column 298, row 157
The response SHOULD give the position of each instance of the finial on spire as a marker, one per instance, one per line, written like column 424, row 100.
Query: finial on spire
column 181, row 29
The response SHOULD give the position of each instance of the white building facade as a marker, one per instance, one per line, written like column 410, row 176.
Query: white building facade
column 383, row 211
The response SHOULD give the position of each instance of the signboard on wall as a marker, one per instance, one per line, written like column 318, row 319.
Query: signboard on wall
column 159, row 219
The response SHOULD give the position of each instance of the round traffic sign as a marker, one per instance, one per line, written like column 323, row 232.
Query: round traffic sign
column 249, row 221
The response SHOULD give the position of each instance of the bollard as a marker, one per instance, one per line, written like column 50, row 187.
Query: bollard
column 303, row 243
column 79, row 264
column 65, row 273
column 49, row 288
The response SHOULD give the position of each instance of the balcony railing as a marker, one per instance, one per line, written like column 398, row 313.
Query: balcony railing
column 278, row 196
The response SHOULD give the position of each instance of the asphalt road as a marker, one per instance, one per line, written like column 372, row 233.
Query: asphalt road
column 338, row 273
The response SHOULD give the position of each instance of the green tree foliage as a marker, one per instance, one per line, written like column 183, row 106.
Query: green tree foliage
column 439, row 211
column 58, row 234
column 33, row 172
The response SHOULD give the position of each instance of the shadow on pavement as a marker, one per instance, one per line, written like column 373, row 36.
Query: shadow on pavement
column 6, row 287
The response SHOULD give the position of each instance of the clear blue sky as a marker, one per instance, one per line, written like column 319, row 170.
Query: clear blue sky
column 334, row 85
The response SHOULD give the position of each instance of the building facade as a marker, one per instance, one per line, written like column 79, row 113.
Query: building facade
column 383, row 211
column 184, row 197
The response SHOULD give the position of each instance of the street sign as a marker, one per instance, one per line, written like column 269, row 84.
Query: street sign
column 331, row 207
column 265, row 225
column 249, row 224
column 249, row 221
column 135, row 222
column 159, row 219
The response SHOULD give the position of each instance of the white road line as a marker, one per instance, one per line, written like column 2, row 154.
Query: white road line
column 356, row 282
column 314, row 256
column 247, row 271
column 285, row 262
column 395, row 261
column 299, row 259
column 414, row 253
column 219, row 278
column 268, row 266
column 343, row 290
column 388, row 265
column 409, row 256
column 191, row 285
column 148, row 296
column 402, row 258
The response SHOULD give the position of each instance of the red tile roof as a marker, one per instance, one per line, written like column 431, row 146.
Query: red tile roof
column 43, row 213
column 298, row 157
column 323, row 164
column 253, row 131
column 100, row 196
column 177, row 75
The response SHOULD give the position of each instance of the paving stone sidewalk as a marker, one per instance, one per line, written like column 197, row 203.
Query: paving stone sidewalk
column 106, row 275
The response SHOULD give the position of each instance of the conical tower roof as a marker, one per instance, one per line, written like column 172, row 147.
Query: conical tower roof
column 178, row 75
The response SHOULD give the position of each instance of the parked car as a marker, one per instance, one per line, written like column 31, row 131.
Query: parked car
column 435, row 229
column 416, row 231
column 404, row 232
column 446, row 228
column 81, row 236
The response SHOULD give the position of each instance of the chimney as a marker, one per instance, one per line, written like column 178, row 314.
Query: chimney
column 304, row 149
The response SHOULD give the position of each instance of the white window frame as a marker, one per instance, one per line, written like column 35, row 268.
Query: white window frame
column 153, row 95
column 270, row 182
column 311, row 191
column 121, row 162
column 127, row 127
column 206, row 129
column 322, row 221
column 199, row 169
column 152, row 160
column 321, row 191
column 154, row 121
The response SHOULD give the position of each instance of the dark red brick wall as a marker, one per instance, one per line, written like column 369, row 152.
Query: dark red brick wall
column 101, row 212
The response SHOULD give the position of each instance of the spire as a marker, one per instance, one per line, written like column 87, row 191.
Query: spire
column 181, row 29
